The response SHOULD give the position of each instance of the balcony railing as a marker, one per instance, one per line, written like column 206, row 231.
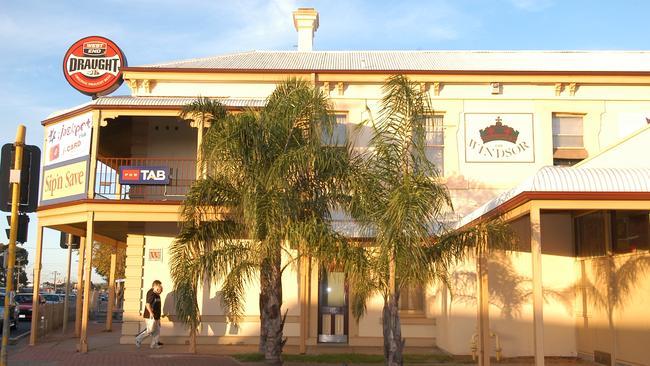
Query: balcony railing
column 182, row 173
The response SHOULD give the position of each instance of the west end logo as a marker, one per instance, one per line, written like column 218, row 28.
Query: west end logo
column 499, row 141
column 93, row 65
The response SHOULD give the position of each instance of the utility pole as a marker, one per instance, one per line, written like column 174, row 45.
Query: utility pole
column 19, row 270
column 11, row 261
column 55, row 274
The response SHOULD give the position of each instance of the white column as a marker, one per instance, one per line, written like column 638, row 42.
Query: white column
column 483, row 311
column 538, row 299
column 37, row 284
column 83, row 337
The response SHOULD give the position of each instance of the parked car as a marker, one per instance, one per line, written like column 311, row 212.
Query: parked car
column 25, row 305
column 52, row 298
column 13, row 312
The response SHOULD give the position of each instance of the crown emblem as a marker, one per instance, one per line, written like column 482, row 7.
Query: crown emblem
column 499, row 131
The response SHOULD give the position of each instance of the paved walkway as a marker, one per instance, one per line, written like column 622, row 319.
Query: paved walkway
column 105, row 350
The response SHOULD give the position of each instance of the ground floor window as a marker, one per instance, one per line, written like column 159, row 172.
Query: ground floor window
column 411, row 299
column 630, row 231
column 615, row 231
column 590, row 234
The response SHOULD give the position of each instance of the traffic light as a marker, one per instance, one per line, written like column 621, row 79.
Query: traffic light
column 23, row 223
column 29, row 177
column 63, row 242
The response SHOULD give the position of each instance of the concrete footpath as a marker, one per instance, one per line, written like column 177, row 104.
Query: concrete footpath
column 104, row 350
column 56, row 349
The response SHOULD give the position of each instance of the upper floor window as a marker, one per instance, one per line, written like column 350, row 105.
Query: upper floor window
column 434, row 141
column 568, row 143
column 339, row 134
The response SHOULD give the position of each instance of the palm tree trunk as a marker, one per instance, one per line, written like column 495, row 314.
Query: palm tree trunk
column 271, row 311
column 193, row 340
column 393, row 342
column 264, row 279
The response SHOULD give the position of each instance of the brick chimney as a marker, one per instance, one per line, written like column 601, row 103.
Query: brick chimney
column 306, row 22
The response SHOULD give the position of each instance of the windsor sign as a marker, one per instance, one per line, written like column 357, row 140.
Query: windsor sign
column 499, row 138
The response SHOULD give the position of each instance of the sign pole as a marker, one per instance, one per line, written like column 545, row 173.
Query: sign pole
column 15, row 201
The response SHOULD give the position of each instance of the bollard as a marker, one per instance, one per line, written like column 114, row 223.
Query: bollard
column 43, row 325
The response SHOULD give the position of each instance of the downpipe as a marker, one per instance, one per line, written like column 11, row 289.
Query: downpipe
column 497, row 346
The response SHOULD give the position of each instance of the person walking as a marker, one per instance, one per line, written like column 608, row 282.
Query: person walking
column 152, row 316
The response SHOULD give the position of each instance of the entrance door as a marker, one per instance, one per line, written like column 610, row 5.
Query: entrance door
column 332, row 307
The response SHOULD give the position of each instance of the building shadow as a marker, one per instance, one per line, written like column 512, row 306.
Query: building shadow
column 509, row 290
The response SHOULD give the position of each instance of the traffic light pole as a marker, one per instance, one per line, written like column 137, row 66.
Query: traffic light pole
column 15, row 198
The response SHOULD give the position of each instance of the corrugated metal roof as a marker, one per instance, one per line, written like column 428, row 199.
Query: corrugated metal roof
column 558, row 179
column 544, row 61
column 129, row 101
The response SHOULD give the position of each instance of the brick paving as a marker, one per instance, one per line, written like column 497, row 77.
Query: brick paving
column 105, row 350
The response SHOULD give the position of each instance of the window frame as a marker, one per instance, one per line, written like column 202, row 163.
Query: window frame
column 329, row 140
column 436, row 128
column 558, row 116
column 609, row 245
column 405, row 290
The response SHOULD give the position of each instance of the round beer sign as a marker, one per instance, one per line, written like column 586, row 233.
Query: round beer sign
column 93, row 65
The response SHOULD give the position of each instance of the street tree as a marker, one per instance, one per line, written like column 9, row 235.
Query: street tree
column 21, row 262
column 269, row 182
column 102, row 260
column 398, row 197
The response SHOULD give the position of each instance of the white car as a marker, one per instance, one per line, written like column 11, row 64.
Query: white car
column 13, row 317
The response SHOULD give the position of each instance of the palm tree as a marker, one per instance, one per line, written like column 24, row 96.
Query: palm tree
column 398, row 198
column 270, row 182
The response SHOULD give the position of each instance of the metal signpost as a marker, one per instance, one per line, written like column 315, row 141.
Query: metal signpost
column 14, row 179
column 22, row 179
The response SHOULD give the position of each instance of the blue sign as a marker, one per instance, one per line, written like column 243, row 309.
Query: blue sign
column 144, row 175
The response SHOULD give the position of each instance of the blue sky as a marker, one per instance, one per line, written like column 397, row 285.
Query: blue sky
column 34, row 36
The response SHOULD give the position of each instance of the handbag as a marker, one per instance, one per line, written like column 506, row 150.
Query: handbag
column 150, row 323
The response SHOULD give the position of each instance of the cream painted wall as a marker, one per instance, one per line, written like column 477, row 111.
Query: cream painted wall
column 630, row 153
column 215, row 89
column 471, row 184
column 603, row 106
column 157, row 237
column 162, row 137
column 510, row 287
column 628, row 308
